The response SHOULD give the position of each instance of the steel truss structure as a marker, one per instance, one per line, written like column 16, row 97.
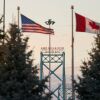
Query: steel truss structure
column 57, row 62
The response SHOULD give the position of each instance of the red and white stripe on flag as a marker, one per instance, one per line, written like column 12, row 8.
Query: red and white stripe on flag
column 84, row 24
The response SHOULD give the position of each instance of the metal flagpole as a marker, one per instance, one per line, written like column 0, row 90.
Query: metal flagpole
column 3, row 20
column 49, row 22
column 18, row 8
column 4, row 17
column 73, row 92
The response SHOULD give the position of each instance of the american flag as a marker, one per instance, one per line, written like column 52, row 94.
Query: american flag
column 29, row 25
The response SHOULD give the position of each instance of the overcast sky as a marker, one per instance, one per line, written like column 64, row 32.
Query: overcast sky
column 59, row 11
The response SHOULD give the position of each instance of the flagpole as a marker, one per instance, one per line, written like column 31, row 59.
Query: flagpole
column 4, row 17
column 3, row 20
column 49, row 22
column 73, row 91
column 18, row 8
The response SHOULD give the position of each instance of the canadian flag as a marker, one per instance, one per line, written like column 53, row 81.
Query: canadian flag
column 84, row 24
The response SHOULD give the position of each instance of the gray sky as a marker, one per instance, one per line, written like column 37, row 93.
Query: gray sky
column 59, row 11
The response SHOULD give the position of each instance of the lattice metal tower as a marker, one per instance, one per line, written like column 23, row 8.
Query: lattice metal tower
column 57, row 73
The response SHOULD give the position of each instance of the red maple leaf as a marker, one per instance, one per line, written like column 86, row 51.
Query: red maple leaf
column 94, row 25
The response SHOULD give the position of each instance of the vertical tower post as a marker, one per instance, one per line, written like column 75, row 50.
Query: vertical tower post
column 64, row 79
